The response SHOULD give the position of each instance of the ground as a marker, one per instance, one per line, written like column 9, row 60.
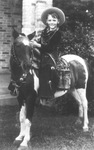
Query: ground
column 50, row 131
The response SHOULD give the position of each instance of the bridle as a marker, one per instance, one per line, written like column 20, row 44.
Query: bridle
column 19, row 64
column 13, row 55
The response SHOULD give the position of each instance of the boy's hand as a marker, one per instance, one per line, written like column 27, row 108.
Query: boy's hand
column 34, row 44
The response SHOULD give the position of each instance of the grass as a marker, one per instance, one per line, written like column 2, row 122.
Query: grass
column 50, row 131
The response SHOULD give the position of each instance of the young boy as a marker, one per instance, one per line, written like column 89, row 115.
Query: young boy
column 50, row 38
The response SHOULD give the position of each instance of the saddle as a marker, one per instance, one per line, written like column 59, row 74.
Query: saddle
column 64, row 74
column 54, row 75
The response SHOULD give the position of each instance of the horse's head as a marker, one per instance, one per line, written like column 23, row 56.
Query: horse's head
column 21, row 52
column 22, row 49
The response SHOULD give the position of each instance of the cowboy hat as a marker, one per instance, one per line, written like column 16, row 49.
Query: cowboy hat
column 56, row 10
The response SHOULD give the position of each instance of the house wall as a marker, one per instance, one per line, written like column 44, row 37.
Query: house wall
column 10, row 16
column 24, row 15
column 31, row 16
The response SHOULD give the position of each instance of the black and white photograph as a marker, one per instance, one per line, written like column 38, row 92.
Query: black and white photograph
column 46, row 74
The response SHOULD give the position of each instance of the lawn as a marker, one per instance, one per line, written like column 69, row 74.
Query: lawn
column 50, row 131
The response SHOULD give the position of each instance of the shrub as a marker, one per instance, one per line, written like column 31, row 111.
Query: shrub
column 78, row 36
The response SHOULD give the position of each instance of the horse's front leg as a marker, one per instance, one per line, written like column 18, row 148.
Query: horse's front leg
column 25, row 124
column 27, row 136
column 22, row 118
column 30, row 104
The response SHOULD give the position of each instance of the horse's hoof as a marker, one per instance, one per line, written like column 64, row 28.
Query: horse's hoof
column 17, row 142
column 85, row 129
column 23, row 148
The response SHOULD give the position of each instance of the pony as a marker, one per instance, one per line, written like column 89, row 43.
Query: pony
column 68, row 74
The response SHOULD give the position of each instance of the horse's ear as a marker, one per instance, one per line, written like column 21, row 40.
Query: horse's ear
column 30, row 36
column 15, row 34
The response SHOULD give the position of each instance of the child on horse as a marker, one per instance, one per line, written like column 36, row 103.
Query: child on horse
column 50, row 39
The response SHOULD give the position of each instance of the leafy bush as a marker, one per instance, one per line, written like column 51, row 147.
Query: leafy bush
column 78, row 35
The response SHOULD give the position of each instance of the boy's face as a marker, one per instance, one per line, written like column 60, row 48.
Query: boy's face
column 52, row 22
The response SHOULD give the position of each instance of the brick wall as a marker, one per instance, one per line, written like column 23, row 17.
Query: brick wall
column 18, row 13
column 10, row 16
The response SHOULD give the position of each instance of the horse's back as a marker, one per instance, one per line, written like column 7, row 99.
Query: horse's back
column 71, row 57
column 79, row 70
